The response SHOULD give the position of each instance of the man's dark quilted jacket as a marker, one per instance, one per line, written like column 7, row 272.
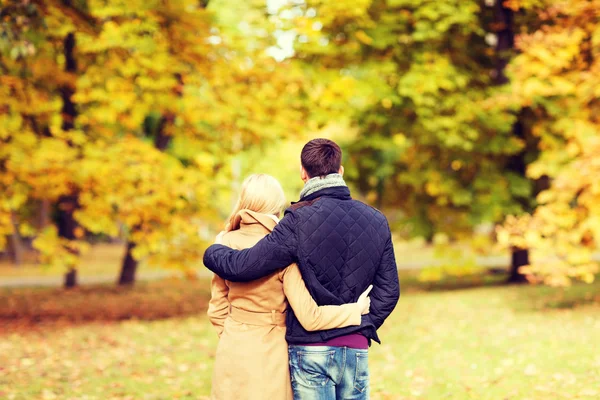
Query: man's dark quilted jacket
column 341, row 246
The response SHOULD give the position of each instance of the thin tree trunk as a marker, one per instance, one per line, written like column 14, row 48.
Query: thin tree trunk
column 505, row 39
column 129, row 266
column 71, row 278
column 66, row 229
column 161, row 139
column 504, row 26
column 67, row 204
column 16, row 244
column 520, row 257
column 518, row 165
column 43, row 215
column 380, row 191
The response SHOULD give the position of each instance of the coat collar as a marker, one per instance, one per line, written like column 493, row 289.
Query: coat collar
column 247, row 219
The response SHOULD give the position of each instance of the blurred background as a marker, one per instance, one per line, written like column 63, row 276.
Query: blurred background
column 127, row 127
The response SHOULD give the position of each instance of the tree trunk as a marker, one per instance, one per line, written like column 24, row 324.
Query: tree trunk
column 517, row 164
column 129, row 266
column 66, row 229
column 380, row 191
column 162, row 140
column 71, row 278
column 16, row 244
column 67, row 204
column 520, row 257
column 43, row 216
column 505, row 39
column 504, row 27
column 69, row 111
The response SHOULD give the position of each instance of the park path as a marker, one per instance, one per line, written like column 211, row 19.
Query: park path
column 57, row 281
column 403, row 265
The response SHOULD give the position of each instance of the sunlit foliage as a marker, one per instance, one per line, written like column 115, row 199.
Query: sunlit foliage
column 557, row 75
column 152, row 80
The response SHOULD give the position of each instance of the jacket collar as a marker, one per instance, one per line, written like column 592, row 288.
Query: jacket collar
column 247, row 219
column 337, row 192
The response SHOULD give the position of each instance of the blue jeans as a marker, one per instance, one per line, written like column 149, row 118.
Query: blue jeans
column 329, row 373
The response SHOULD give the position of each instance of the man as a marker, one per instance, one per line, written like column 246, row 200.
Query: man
column 341, row 246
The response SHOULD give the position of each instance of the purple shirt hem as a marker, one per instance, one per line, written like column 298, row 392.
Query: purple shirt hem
column 353, row 341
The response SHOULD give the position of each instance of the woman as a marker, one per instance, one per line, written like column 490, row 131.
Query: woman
column 252, row 355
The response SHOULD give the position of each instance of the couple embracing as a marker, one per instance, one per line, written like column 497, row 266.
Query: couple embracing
column 294, row 291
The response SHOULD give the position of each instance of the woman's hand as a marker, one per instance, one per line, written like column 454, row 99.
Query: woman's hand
column 364, row 301
column 219, row 238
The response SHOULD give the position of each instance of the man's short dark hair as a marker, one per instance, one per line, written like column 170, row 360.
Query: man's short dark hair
column 321, row 157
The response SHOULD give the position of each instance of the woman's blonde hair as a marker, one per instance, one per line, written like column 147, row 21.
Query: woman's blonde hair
column 260, row 193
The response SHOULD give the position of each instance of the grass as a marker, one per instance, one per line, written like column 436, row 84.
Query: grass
column 491, row 342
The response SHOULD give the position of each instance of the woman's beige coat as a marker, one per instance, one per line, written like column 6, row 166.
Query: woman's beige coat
column 252, row 354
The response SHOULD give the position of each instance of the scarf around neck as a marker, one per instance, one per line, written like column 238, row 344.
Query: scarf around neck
column 319, row 183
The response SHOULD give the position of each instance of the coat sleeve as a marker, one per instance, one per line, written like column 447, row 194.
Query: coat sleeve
column 313, row 317
column 219, row 306
column 386, row 286
column 275, row 251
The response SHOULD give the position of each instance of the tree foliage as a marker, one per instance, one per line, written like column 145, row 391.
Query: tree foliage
column 131, row 117
column 420, row 76
column 154, row 79
column 556, row 77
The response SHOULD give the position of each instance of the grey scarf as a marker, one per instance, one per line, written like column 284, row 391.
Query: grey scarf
column 318, row 183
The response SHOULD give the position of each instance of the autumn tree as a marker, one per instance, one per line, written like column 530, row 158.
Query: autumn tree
column 555, row 75
column 416, row 79
column 60, row 151
column 126, row 117
column 38, row 69
column 153, row 50
column 181, row 72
